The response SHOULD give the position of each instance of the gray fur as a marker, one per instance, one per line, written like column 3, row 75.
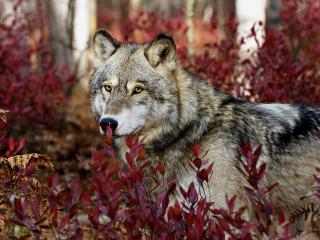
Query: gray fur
column 178, row 110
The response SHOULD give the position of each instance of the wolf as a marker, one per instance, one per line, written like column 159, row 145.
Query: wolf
column 143, row 89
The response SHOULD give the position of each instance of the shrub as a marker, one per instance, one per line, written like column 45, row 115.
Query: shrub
column 31, row 86
column 287, row 65
column 114, row 202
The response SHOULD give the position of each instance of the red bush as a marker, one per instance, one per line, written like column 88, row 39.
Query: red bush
column 287, row 64
column 114, row 201
column 31, row 86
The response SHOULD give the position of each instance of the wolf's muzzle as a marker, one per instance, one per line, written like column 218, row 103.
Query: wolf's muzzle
column 108, row 122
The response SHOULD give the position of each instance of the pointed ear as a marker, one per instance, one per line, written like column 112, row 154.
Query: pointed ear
column 104, row 45
column 161, row 50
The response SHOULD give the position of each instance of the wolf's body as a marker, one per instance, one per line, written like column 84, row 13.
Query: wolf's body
column 145, row 90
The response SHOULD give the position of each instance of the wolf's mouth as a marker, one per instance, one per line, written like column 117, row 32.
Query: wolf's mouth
column 134, row 132
column 116, row 135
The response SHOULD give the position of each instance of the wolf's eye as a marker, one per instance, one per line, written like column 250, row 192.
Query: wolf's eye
column 137, row 90
column 108, row 88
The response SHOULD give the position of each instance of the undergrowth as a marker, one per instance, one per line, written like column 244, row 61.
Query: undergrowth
column 113, row 202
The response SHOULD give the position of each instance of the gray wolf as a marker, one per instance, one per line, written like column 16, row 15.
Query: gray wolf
column 142, row 89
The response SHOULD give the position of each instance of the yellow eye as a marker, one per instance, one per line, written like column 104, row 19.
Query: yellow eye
column 108, row 88
column 137, row 90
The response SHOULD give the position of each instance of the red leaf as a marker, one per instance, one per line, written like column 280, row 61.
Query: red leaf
column 230, row 203
column 73, row 211
column 145, row 164
column 201, row 205
column 85, row 198
column 141, row 154
column 162, row 203
column 262, row 171
column 256, row 155
column 197, row 162
column 216, row 211
column 107, row 137
column 175, row 212
column 129, row 142
column 183, row 192
column 250, row 192
column 53, row 181
column 54, row 216
column 192, row 193
column 42, row 220
column 22, row 143
column 122, row 174
column 153, row 170
column 203, row 175
column 79, row 234
column 35, row 209
column 64, row 220
column 95, row 213
column 160, row 168
column 281, row 217
column 245, row 149
column 272, row 186
column 11, row 144
column 239, row 215
column 210, row 168
column 129, row 159
column 224, row 225
column 18, row 208
column 196, row 150
column 74, row 185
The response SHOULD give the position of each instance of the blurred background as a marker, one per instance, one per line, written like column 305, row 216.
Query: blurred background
column 259, row 50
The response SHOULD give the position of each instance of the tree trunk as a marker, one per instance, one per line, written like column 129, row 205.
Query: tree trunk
column 224, row 9
column 189, row 21
column 70, row 25
column 6, row 9
column 81, row 36
column 250, row 13
column 60, row 27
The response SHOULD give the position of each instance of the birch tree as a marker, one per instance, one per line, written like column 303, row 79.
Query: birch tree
column 70, row 25
column 250, row 13
column 189, row 21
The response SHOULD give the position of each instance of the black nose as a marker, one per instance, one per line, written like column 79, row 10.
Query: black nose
column 106, row 122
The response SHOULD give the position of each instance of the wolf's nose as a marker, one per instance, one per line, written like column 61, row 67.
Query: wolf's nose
column 106, row 122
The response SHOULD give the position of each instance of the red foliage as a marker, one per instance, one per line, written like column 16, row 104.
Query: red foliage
column 133, row 200
column 115, row 202
column 31, row 86
column 286, row 67
column 267, row 218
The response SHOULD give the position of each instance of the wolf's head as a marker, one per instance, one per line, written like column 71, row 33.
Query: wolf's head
column 133, row 87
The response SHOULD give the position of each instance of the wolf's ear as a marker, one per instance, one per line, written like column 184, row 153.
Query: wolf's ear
column 104, row 45
column 161, row 50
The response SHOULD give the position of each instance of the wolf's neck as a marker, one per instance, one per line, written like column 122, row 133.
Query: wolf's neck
column 196, row 107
